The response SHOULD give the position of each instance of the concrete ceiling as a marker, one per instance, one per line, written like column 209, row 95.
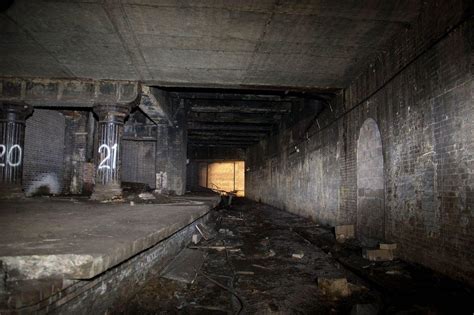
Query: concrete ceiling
column 274, row 43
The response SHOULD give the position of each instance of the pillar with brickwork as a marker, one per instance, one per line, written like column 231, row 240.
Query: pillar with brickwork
column 12, row 139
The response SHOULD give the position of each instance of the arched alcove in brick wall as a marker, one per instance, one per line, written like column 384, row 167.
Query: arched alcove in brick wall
column 370, row 184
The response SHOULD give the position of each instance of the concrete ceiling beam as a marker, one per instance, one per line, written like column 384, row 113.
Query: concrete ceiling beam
column 231, row 106
column 228, row 127
column 219, row 138
column 250, row 118
column 250, row 96
column 237, row 133
column 220, row 145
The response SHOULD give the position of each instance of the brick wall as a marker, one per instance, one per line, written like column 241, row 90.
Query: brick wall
column 138, row 150
column 171, row 155
column 138, row 162
column 419, row 93
column 75, row 151
column 44, row 152
column 176, row 166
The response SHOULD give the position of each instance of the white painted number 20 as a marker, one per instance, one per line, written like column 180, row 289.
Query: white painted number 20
column 108, row 157
column 10, row 156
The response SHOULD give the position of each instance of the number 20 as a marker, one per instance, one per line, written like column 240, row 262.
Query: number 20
column 9, row 161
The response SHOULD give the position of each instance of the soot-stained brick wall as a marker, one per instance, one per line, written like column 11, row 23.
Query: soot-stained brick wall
column 419, row 93
column 44, row 153
column 138, row 150
column 177, row 152
column 171, row 155
column 155, row 154
column 75, row 151
column 138, row 163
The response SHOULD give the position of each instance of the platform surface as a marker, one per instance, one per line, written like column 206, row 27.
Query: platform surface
column 43, row 238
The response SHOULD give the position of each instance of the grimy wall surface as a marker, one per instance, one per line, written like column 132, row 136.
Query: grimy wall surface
column 419, row 95
column 139, row 146
column 44, row 153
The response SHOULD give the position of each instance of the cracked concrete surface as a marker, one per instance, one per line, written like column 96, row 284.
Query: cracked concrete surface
column 315, row 44
column 79, row 240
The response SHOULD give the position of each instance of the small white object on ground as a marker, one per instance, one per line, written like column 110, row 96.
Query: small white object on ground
column 146, row 196
column 298, row 255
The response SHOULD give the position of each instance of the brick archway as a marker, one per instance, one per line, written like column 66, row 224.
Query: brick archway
column 370, row 184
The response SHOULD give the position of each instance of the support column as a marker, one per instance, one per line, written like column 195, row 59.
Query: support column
column 108, row 155
column 161, row 158
column 12, row 140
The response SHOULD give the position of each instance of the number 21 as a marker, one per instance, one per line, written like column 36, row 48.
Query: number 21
column 104, row 163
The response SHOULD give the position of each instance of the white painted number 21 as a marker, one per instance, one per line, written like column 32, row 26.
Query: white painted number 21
column 108, row 157
column 9, row 154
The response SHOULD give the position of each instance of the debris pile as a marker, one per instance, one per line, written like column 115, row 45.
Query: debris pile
column 344, row 232
column 334, row 288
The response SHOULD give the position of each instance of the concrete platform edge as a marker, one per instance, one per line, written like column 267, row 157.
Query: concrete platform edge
column 99, row 293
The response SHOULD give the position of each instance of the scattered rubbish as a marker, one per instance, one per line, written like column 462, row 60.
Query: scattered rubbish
column 229, row 199
column 209, row 308
column 365, row 309
column 203, row 231
column 233, row 250
column 146, row 196
column 354, row 288
column 378, row 254
column 196, row 238
column 270, row 253
column 225, row 288
column 249, row 273
column 334, row 287
column 394, row 272
column 184, row 266
column 390, row 246
column 226, row 232
column 344, row 232
column 116, row 199
column 231, row 217
column 218, row 248
column 244, row 229
column 298, row 255
column 261, row 267
column 265, row 241
column 132, row 203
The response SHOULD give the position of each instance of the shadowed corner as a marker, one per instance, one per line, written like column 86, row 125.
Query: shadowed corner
column 5, row 4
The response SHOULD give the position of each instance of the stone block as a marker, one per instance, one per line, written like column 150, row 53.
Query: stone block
column 11, row 88
column 334, row 287
column 184, row 267
column 344, row 232
column 378, row 254
column 365, row 309
column 390, row 246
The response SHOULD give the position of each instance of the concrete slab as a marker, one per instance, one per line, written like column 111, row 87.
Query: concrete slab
column 199, row 43
column 79, row 240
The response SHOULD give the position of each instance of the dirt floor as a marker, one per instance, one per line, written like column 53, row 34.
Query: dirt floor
column 263, row 260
